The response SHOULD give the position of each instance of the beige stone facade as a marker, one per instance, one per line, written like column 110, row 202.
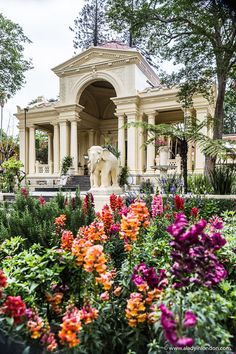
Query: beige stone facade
column 101, row 90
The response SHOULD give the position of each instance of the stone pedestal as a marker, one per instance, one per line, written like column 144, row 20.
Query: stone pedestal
column 101, row 199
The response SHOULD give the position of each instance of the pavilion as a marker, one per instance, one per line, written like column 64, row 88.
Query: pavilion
column 102, row 89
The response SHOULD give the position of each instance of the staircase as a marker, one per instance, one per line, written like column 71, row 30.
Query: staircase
column 73, row 182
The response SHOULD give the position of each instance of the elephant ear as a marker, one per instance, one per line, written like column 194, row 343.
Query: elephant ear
column 106, row 154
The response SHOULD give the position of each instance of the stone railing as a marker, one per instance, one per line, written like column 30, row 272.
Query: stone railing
column 45, row 169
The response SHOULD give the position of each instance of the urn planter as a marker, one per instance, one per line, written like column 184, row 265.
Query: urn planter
column 163, row 155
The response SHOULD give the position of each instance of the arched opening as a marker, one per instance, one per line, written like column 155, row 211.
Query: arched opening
column 98, row 125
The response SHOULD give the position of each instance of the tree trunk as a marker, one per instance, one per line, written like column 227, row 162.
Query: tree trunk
column 184, row 156
column 219, row 108
column 218, row 121
column 95, row 38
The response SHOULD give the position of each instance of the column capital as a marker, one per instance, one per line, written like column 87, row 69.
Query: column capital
column 131, row 115
column 54, row 122
column 31, row 126
column 119, row 114
column 151, row 114
column 63, row 122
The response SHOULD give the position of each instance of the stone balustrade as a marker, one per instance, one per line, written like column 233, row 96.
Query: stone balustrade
column 44, row 168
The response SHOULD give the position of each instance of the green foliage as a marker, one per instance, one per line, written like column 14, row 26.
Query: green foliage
column 112, row 149
column 199, row 184
column 31, row 273
column 12, row 63
column 208, row 206
column 123, row 176
column 90, row 26
column 41, row 142
column 230, row 106
column 11, row 173
column 223, row 179
column 36, row 270
column 199, row 37
column 66, row 164
column 147, row 187
column 35, row 222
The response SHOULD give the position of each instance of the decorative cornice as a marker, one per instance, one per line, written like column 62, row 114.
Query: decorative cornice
column 113, row 58
column 69, row 108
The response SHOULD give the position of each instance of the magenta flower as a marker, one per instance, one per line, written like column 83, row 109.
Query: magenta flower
column 157, row 205
column 184, row 342
column 142, row 274
column 190, row 319
column 170, row 325
column 216, row 223
column 193, row 255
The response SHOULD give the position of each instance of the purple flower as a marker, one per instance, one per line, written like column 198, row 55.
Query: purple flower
column 193, row 255
column 184, row 342
column 190, row 319
column 170, row 325
column 115, row 229
column 142, row 274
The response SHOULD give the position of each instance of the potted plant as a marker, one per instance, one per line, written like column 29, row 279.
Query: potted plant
column 66, row 165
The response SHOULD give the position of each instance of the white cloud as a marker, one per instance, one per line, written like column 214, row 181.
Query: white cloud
column 46, row 23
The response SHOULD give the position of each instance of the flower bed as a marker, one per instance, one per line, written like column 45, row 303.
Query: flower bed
column 139, row 277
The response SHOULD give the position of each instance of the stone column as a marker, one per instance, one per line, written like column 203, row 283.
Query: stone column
column 201, row 115
column 91, row 138
column 132, row 143
column 151, row 146
column 121, row 138
column 23, row 144
column 74, row 144
column 50, row 148
column 56, row 149
column 190, row 156
column 64, row 139
column 32, row 155
column 141, row 147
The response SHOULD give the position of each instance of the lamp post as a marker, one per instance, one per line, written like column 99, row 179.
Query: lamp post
column 25, row 113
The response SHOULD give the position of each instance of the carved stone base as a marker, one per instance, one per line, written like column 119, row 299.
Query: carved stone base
column 106, row 191
column 100, row 201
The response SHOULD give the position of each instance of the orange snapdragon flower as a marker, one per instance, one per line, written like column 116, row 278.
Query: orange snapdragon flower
column 60, row 221
column 107, row 217
column 95, row 259
column 35, row 325
column 139, row 208
column 54, row 300
column 106, row 280
column 67, row 240
column 135, row 311
column 153, row 295
column 71, row 326
column 79, row 249
column 96, row 232
column 129, row 230
column 88, row 314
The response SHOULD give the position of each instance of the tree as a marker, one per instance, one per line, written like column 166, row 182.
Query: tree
column 91, row 27
column 199, row 36
column 41, row 142
column 12, row 63
column 230, row 106
column 9, row 147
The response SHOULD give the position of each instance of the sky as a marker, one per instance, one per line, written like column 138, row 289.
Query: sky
column 46, row 23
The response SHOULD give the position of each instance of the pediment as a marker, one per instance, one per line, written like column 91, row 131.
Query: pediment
column 96, row 56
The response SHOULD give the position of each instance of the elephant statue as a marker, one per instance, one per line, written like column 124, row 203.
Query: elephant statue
column 104, row 168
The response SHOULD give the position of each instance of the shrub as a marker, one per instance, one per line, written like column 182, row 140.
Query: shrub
column 199, row 184
column 223, row 179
